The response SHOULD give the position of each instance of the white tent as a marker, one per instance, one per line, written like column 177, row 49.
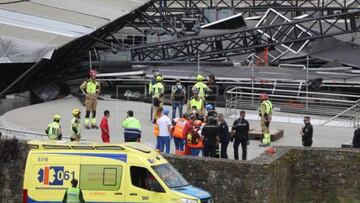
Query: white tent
column 31, row 30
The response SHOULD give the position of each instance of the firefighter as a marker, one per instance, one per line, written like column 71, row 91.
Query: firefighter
column 157, row 94
column 90, row 88
column 201, row 87
column 75, row 125
column 53, row 130
column 265, row 113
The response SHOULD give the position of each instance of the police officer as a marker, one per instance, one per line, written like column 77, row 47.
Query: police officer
column 157, row 94
column 224, row 136
column 240, row 132
column 356, row 138
column 132, row 128
column 75, row 125
column 307, row 132
column 210, row 132
column 90, row 88
column 53, row 130
column 73, row 194
column 265, row 114
column 200, row 87
column 211, row 112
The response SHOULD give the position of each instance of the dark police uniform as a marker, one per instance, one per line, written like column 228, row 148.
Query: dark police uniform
column 241, row 128
column 224, row 138
column 307, row 136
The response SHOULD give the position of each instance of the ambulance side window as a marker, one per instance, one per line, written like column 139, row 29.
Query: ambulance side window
column 100, row 177
column 143, row 178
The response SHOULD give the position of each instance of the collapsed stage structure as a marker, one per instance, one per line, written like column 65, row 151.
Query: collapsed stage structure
column 292, row 45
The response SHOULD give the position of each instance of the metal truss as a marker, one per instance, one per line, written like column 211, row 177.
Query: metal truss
column 246, row 41
column 252, row 7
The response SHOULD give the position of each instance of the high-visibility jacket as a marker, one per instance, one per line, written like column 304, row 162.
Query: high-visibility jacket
column 201, row 88
column 92, row 86
column 266, row 108
column 73, row 195
column 75, row 123
column 151, row 84
column 198, row 103
column 53, row 130
column 132, row 128
column 179, row 128
column 158, row 90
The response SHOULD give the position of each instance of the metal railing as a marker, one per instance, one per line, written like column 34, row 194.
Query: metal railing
column 330, row 106
column 26, row 135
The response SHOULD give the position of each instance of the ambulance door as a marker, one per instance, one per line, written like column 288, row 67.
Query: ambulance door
column 144, row 186
column 101, row 180
column 51, row 175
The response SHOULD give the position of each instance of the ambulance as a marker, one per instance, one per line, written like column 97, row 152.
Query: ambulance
column 129, row 172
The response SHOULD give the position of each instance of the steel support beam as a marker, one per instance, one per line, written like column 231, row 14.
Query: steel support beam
column 240, row 42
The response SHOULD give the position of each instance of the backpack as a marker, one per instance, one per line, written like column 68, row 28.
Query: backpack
column 193, row 137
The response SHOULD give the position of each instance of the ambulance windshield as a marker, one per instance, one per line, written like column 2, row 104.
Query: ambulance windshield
column 170, row 176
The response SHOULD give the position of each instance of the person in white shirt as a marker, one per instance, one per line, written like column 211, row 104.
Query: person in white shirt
column 164, row 137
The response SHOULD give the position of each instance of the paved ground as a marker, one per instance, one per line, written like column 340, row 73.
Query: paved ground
column 36, row 117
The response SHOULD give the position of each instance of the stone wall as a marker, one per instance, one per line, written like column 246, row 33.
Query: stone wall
column 326, row 175
column 12, row 165
column 293, row 174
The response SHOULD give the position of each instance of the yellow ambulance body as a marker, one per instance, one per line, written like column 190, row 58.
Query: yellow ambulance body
column 129, row 172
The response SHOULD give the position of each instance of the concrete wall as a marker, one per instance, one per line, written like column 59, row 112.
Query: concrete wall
column 293, row 174
column 14, row 101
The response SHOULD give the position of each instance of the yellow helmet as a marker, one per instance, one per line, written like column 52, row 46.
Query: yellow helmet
column 159, row 78
column 199, row 77
column 76, row 112
column 57, row 117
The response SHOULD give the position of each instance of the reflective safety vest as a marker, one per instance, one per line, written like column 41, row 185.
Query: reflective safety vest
column 157, row 89
column 73, row 195
column 156, row 130
column 92, row 86
column 179, row 128
column 266, row 108
column 201, row 87
column 198, row 103
column 53, row 130
column 75, row 123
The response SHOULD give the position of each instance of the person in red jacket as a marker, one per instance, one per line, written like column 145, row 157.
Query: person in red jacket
column 104, row 125
column 188, row 129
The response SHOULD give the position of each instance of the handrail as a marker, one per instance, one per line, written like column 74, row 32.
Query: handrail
column 26, row 134
column 299, row 97
column 333, row 106
column 290, row 91
column 342, row 113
